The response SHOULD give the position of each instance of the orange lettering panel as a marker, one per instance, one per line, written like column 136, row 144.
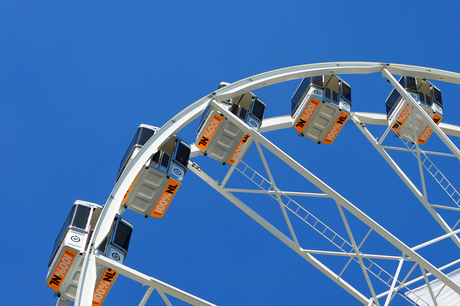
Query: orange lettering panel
column 335, row 130
column 306, row 115
column 425, row 135
column 61, row 269
column 428, row 131
column 209, row 132
column 103, row 286
column 163, row 204
column 437, row 118
column 401, row 119
column 238, row 149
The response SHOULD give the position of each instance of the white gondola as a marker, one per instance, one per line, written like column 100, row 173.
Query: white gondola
column 143, row 134
column 427, row 96
column 157, row 183
column 321, row 107
column 220, row 139
column 70, row 249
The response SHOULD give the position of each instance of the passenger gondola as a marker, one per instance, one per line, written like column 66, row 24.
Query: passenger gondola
column 71, row 246
column 156, row 185
column 220, row 139
column 427, row 96
column 321, row 107
column 143, row 134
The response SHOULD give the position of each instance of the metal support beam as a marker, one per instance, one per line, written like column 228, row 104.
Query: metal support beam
column 404, row 178
column 278, row 234
column 422, row 113
column 150, row 281
column 338, row 198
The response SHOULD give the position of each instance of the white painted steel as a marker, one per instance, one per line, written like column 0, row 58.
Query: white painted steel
column 113, row 204
column 340, row 200
column 421, row 112
column 160, row 286
column 404, row 178
column 393, row 283
column 286, row 240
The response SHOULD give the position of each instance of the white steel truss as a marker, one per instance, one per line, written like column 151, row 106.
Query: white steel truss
column 383, row 273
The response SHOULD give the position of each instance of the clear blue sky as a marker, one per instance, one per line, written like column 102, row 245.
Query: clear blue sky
column 77, row 78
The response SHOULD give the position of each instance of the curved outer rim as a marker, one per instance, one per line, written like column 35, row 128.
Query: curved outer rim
column 182, row 119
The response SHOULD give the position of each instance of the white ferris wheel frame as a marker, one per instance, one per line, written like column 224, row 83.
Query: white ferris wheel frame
column 182, row 119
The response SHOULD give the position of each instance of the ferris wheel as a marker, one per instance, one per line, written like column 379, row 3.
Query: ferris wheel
column 234, row 131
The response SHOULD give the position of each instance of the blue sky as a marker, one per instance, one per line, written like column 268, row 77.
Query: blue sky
column 77, row 79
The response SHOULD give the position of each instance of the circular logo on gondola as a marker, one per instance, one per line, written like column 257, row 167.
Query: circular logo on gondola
column 177, row 171
column 75, row 238
column 414, row 96
column 253, row 123
column 316, row 92
column 116, row 256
